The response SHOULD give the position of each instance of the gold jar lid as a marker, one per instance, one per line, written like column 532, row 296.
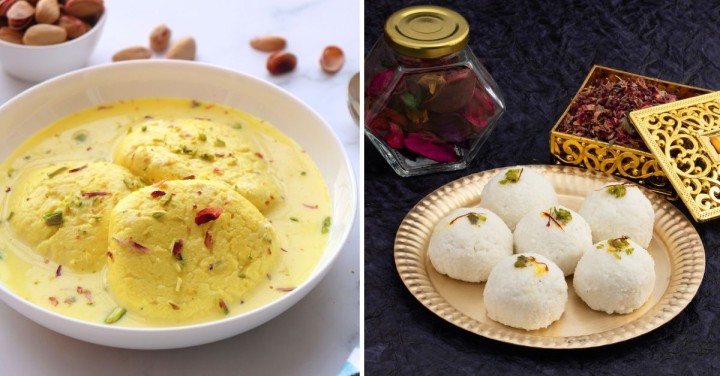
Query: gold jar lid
column 426, row 31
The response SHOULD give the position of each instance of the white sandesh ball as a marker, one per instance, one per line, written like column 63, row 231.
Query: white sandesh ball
column 468, row 242
column 526, row 291
column 557, row 232
column 615, row 276
column 618, row 210
column 514, row 192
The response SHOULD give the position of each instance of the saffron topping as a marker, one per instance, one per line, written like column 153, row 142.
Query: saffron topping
column 527, row 261
column 208, row 239
column 76, row 169
column 58, row 271
column 473, row 218
column 93, row 194
column 207, row 215
column 512, row 176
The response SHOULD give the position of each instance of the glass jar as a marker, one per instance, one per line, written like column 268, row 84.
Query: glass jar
column 429, row 103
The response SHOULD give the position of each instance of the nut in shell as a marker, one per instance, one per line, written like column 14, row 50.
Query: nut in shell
column 160, row 38
column 84, row 8
column 20, row 15
column 183, row 49
column 332, row 59
column 9, row 35
column 43, row 34
column 74, row 26
column 5, row 5
column 132, row 53
column 47, row 11
column 281, row 62
column 268, row 43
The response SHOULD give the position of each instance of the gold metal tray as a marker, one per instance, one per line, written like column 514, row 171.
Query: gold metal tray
column 676, row 248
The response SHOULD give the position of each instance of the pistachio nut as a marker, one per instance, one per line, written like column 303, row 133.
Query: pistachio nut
column 44, row 34
column 332, row 59
column 5, row 5
column 9, row 35
column 20, row 14
column 160, row 38
column 132, row 53
column 84, row 8
column 183, row 49
column 74, row 26
column 47, row 11
column 281, row 62
column 268, row 43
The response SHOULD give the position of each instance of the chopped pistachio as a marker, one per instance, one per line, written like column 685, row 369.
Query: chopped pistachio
column 56, row 172
column 219, row 142
column 326, row 225
column 115, row 315
column 617, row 190
column 202, row 137
column 207, row 157
column 54, row 219
column 512, row 176
column 9, row 217
column 561, row 215
column 158, row 214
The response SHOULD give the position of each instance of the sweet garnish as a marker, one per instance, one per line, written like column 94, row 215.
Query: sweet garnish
column 208, row 239
column 76, row 169
column 93, row 194
column 223, row 306
column 207, row 215
column 54, row 219
column 58, row 271
column 473, row 218
column 619, row 245
column 325, row 225
column 156, row 194
column 617, row 190
column 115, row 315
column 56, row 172
column 526, row 261
column 512, row 176
column 176, row 248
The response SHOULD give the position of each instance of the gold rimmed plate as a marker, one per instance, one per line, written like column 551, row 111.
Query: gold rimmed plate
column 675, row 247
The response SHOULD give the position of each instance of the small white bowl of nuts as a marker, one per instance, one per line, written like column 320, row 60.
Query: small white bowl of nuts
column 40, row 39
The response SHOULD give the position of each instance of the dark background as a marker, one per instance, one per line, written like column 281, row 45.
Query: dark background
column 539, row 54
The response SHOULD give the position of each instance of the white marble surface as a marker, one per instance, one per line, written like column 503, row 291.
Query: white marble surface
column 315, row 336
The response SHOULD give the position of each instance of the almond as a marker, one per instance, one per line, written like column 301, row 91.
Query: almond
column 43, row 34
column 74, row 26
column 268, row 43
column 281, row 62
column 47, row 11
column 160, row 38
column 132, row 53
column 183, row 49
column 84, row 8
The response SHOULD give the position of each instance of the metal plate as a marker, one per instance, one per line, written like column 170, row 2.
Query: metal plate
column 675, row 247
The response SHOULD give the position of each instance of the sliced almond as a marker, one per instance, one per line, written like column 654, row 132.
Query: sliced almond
column 268, row 43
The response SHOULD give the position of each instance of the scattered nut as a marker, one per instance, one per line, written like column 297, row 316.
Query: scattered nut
column 20, row 15
column 132, row 53
column 44, row 34
column 183, row 49
column 47, row 11
column 74, row 26
column 268, row 43
column 84, row 8
column 332, row 59
column 281, row 62
column 9, row 35
column 160, row 38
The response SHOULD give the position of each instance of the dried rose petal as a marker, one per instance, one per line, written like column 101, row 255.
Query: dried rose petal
column 93, row 194
column 207, row 215
column 394, row 137
column 76, row 169
column 177, row 247
column 380, row 83
column 156, row 194
column 208, row 239
column 428, row 146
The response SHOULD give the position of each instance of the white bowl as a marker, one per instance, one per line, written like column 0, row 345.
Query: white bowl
column 39, row 63
column 47, row 102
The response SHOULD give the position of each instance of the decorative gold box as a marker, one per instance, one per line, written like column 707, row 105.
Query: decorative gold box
column 637, row 165
column 685, row 137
